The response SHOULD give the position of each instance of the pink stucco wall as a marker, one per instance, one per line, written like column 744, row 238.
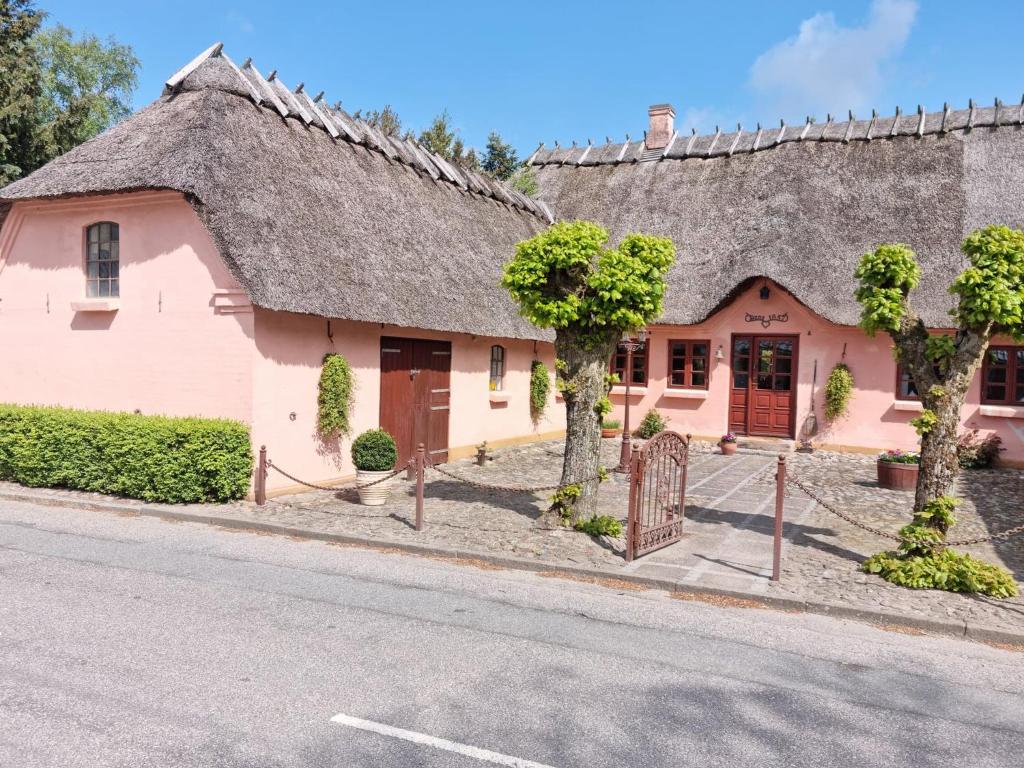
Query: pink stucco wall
column 290, row 349
column 172, row 347
column 875, row 420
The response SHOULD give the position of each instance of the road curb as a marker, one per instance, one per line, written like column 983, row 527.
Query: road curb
column 961, row 629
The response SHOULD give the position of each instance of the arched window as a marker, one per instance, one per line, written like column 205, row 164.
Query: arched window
column 102, row 260
column 497, row 367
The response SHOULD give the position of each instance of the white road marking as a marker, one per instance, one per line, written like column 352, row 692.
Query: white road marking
column 432, row 741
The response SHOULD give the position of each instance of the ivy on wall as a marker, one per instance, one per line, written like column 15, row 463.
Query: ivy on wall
column 838, row 389
column 540, row 386
column 334, row 401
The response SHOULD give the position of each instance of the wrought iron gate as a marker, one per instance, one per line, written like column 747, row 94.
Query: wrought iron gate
column 657, row 494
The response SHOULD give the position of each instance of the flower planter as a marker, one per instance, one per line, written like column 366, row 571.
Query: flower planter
column 375, row 495
column 728, row 449
column 610, row 432
column 897, row 477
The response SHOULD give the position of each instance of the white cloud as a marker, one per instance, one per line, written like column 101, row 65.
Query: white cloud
column 830, row 68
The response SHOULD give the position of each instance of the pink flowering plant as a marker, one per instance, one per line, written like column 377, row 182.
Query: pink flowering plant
column 728, row 437
column 900, row 457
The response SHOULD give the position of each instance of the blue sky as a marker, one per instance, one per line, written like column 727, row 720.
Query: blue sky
column 572, row 70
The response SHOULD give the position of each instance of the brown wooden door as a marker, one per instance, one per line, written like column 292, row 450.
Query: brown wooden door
column 762, row 399
column 415, row 398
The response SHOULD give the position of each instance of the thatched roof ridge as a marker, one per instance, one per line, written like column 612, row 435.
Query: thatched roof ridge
column 740, row 141
column 805, row 212
column 355, row 226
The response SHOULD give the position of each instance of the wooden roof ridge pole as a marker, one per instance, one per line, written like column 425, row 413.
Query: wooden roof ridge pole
column 824, row 130
column 871, row 125
column 287, row 97
column 807, row 127
column 250, row 71
column 920, row 121
column 714, row 141
column 689, row 143
column 995, row 118
column 590, row 146
column 622, row 152
column 894, row 129
column 757, row 139
column 535, row 153
column 568, row 153
column 849, row 128
column 945, row 117
column 178, row 77
column 1020, row 112
column 732, row 147
column 321, row 115
column 671, row 141
column 253, row 92
column 781, row 134
column 970, row 115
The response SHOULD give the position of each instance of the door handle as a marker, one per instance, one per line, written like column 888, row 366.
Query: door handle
column 413, row 373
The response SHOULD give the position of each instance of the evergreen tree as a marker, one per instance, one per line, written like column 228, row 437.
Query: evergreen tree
column 500, row 159
column 384, row 120
column 21, row 146
column 439, row 138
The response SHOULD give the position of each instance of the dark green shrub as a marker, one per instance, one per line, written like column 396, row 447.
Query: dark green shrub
column 153, row 458
column 540, row 385
column 837, row 391
column 600, row 525
column 949, row 570
column 652, row 424
column 334, row 401
column 374, row 451
column 978, row 453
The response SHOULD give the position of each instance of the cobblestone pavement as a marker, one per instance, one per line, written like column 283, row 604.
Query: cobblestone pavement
column 729, row 520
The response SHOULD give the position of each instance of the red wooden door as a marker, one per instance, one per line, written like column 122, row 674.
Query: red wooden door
column 763, row 396
column 415, row 376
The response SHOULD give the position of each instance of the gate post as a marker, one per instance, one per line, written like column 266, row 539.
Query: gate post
column 631, row 518
column 420, row 467
column 780, row 501
column 261, row 478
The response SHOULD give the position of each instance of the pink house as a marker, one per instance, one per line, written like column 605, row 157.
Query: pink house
column 769, row 226
column 201, row 258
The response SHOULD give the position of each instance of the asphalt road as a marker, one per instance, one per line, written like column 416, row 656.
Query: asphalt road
column 129, row 641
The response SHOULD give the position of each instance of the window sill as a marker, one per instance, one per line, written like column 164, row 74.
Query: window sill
column 498, row 397
column 1005, row 411
column 691, row 394
column 96, row 305
column 619, row 389
column 908, row 405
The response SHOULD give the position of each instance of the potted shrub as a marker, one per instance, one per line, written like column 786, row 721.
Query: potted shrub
column 374, row 454
column 898, row 470
column 610, row 428
column 728, row 444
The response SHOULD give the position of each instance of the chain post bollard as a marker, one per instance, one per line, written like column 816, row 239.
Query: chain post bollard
column 420, row 469
column 261, row 477
column 780, row 503
column 634, row 473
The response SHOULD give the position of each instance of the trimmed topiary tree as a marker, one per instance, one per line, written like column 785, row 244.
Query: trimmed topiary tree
column 990, row 301
column 374, row 451
column 567, row 279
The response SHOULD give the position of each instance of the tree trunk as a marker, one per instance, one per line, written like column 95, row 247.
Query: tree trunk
column 583, row 379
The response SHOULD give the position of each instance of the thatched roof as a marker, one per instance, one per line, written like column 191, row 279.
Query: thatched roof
column 800, row 205
column 314, row 211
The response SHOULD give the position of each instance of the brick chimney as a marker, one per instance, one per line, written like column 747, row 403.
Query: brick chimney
column 659, row 132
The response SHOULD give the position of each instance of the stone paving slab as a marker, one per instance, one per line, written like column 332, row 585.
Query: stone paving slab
column 727, row 544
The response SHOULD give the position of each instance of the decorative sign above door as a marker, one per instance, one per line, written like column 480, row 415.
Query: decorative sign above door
column 767, row 320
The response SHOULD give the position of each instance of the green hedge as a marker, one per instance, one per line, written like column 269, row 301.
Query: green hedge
column 153, row 458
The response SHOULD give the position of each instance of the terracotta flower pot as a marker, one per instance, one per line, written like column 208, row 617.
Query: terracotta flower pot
column 728, row 449
column 375, row 495
column 898, row 477
column 610, row 432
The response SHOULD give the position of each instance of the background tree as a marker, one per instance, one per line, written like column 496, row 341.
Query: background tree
column 500, row 159
column 21, row 145
column 384, row 120
column 87, row 86
column 566, row 279
column 525, row 180
column 990, row 301
column 439, row 136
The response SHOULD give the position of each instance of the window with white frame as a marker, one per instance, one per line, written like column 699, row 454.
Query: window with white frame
column 102, row 260
column 497, row 368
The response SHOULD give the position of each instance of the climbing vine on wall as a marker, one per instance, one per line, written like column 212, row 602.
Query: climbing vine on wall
column 838, row 389
column 540, row 385
column 334, row 402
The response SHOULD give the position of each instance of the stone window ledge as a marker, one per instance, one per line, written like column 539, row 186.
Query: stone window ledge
column 908, row 405
column 691, row 394
column 619, row 389
column 1005, row 411
column 96, row 305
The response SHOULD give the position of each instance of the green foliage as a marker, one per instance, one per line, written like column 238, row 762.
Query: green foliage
column 939, row 350
column 334, row 401
column 384, row 120
column 886, row 276
column 924, row 423
column 949, row 570
column 500, row 158
column 87, row 86
column 540, row 386
column 973, row 452
column 603, row 407
column 153, row 458
column 991, row 290
column 600, row 525
column 525, row 180
column 611, row 424
column 440, row 136
column 838, row 389
column 900, row 457
column 374, row 451
column 653, row 423
column 21, row 144
column 563, row 500
column 565, row 278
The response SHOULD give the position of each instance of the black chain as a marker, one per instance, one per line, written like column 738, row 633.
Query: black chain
column 852, row 521
column 344, row 487
column 507, row 488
